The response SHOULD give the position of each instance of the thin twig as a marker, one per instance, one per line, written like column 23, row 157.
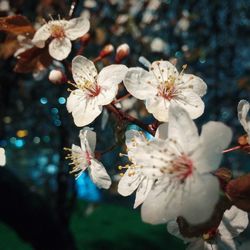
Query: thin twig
column 231, row 149
column 122, row 116
column 121, row 98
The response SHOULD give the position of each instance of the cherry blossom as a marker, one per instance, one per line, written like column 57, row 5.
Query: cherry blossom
column 84, row 158
column 138, row 176
column 61, row 33
column 93, row 90
column 162, row 85
column 243, row 110
column 234, row 222
column 187, row 188
column 2, row 157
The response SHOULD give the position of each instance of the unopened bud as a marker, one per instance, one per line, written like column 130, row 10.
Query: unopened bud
column 243, row 140
column 57, row 76
column 85, row 39
column 108, row 49
column 121, row 52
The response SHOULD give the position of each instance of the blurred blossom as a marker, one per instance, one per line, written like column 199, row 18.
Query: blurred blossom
column 243, row 114
column 57, row 76
column 234, row 222
column 158, row 45
column 2, row 157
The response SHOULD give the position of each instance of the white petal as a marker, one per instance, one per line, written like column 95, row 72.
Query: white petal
column 134, row 138
column 182, row 129
column 83, row 70
column 200, row 244
column 99, row 174
column 173, row 229
column 2, row 157
column 191, row 102
column 77, row 27
column 194, row 83
column 60, row 48
column 215, row 136
column 243, row 109
column 140, row 83
column 112, row 75
column 151, row 156
column 129, row 183
column 162, row 204
column 163, row 71
column 162, row 131
column 107, row 94
column 88, row 136
column 41, row 35
column 142, row 191
column 158, row 107
column 234, row 222
column 225, row 244
column 200, row 197
column 83, row 109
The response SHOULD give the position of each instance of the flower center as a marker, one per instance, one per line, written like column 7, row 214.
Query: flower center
column 79, row 160
column 167, row 89
column 210, row 235
column 92, row 88
column 181, row 168
column 132, row 168
column 57, row 31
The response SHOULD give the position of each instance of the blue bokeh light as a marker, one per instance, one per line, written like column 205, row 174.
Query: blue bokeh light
column 43, row 100
column 61, row 100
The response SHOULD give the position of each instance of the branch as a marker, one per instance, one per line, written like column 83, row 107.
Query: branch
column 122, row 116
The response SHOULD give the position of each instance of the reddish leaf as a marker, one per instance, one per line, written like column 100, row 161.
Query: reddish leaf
column 239, row 192
column 33, row 60
column 8, row 47
column 16, row 24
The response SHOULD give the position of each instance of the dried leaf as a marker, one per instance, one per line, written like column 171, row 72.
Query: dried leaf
column 16, row 25
column 224, row 175
column 33, row 60
column 239, row 192
column 8, row 47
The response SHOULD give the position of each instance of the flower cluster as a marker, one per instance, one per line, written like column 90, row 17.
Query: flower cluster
column 173, row 171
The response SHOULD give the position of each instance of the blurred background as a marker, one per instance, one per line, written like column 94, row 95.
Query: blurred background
column 42, row 206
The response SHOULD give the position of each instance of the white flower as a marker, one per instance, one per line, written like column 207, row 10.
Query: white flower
column 93, row 90
column 186, row 159
column 2, row 157
column 243, row 110
column 84, row 158
column 234, row 222
column 62, row 32
column 138, row 175
column 163, row 85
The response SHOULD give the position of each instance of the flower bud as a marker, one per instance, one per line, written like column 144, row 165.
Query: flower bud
column 85, row 39
column 108, row 49
column 121, row 52
column 57, row 76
